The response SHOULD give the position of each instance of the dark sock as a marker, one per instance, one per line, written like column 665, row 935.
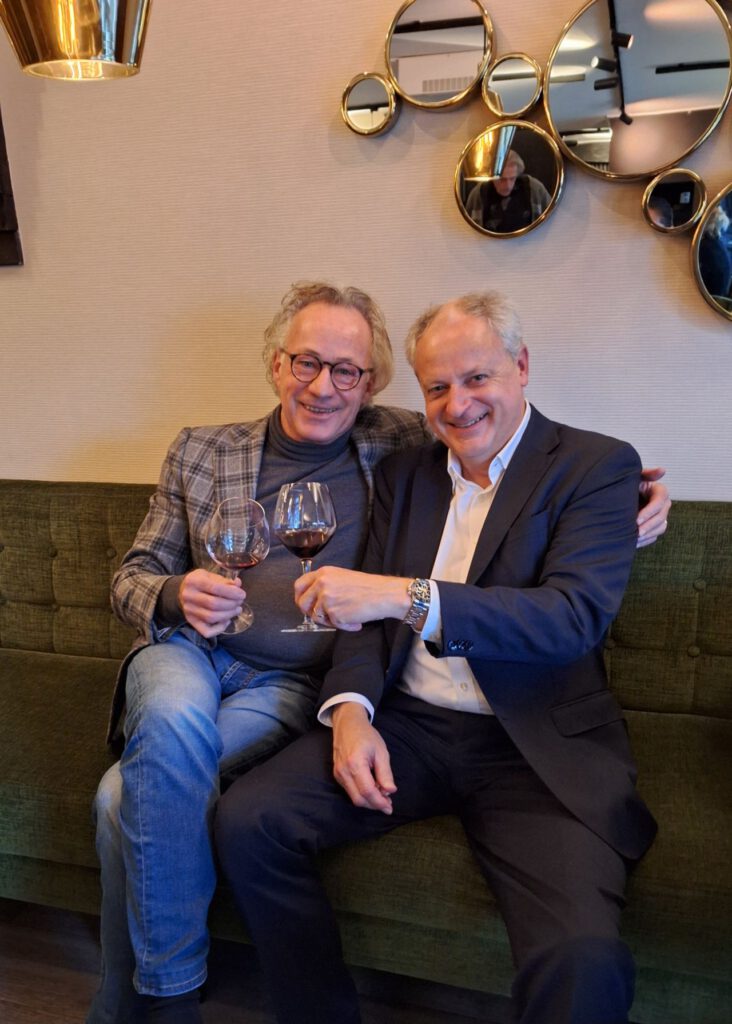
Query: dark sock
column 181, row 1009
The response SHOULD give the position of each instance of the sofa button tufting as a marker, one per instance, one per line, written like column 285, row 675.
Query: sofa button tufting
column 693, row 651
column 52, row 552
column 55, row 607
column 111, row 553
column 610, row 644
column 700, row 584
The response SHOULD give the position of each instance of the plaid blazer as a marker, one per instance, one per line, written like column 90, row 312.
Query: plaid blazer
column 203, row 466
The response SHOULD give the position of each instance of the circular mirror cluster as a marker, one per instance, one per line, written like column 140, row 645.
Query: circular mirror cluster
column 631, row 88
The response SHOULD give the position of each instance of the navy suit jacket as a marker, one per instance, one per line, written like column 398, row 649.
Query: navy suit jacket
column 546, row 581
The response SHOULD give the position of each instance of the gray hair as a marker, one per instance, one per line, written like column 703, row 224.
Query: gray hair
column 305, row 293
column 491, row 307
column 512, row 157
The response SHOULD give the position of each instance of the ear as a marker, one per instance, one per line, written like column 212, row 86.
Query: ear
column 368, row 391
column 522, row 362
column 277, row 369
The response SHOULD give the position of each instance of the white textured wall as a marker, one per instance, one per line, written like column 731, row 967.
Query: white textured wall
column 162, row 218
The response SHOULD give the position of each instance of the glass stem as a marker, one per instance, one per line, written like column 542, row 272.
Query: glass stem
column 306, row 564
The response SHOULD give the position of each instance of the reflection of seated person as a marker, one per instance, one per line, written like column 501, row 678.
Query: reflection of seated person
column 715, row 261
column 660, row 212
column 509, row 203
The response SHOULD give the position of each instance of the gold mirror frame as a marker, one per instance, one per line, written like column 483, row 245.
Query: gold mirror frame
column 391, row 104
column 609, row 175
column 492, row 156
column 721, row 304
column 663, row 178
column 457, row 98
column 492, row 99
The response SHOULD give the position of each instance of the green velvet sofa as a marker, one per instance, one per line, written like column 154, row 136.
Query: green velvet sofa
column 411, row 903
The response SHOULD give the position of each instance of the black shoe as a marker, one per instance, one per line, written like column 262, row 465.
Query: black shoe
column 182, row 1009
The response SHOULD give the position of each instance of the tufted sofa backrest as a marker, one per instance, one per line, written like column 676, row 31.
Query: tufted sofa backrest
column 60, row 544
column 670, row 648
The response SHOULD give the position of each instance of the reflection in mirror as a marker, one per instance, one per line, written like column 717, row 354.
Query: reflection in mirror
column 674, row 201
column 369, row 104
column 508, row 179
column 512, row 85
column 633, row 86
column 437, row 50
column 711, row 253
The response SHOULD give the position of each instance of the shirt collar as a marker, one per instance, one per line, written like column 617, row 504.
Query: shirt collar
column 499, row 463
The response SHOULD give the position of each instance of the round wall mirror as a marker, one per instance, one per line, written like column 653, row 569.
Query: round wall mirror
column 512, row 85
column 674, row 201
column 369, row 104
column 711, row 253
column 633, row 86
column 438, row 50
column 509, row 179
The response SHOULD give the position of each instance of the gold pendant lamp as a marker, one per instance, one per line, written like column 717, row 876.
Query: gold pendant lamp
column 77, row 40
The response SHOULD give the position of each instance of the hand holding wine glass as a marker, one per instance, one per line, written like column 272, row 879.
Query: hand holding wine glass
column 304, row 521
column 237, row 538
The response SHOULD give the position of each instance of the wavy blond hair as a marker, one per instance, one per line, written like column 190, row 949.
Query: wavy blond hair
column 305, row 293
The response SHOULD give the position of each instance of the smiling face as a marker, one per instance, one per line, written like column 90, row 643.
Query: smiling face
column 317, row 411
column 473, row 389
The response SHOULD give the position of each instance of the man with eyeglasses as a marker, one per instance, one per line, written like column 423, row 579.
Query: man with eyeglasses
column 199, row 707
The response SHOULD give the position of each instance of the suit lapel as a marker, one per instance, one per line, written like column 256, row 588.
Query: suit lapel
column 530, row 461
column 237, row 461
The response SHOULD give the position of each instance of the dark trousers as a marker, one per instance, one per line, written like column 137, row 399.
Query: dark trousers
column 559, row 886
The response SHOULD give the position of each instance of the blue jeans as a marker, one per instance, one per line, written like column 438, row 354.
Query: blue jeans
column 193, row 715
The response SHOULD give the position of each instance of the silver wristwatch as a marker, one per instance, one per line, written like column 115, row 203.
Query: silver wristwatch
column 419, row 594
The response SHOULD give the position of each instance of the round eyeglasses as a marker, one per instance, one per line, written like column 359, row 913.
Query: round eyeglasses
column 306, row 368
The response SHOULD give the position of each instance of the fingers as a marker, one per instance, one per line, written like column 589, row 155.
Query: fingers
column 652, row 518
column 209, row 602
column 320, row 616
column 361, row 786
column 360, row 759
column 383, row 773
column 653, row 521
column 653, row 473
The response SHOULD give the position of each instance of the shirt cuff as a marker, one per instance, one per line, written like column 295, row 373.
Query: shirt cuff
column 326, row 712
column 432, row 629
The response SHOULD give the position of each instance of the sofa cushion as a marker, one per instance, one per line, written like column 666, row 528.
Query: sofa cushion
column 52, row 752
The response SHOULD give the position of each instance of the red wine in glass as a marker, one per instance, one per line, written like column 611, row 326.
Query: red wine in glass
column 304, row 521
column 237, row 538
column 304, row 543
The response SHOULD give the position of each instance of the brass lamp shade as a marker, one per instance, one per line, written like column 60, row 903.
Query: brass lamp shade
column 488, row 154
column 77, row 39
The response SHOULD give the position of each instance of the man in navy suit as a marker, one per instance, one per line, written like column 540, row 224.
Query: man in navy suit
column 468, row 679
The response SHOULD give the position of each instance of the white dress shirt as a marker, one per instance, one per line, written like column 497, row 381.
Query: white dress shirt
column 449, row 682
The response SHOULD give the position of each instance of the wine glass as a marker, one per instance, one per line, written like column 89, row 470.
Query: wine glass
column 304, row 521
column 237, row 538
